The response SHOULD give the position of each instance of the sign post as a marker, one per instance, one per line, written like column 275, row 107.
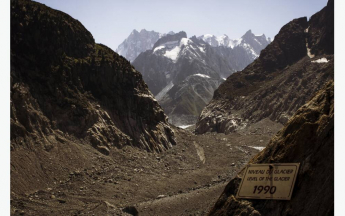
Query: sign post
column 268, row 181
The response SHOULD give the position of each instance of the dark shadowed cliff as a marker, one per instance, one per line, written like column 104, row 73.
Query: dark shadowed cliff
column 68, row 93
column 308, row 139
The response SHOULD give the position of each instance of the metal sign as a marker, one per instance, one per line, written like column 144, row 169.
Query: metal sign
column 268, row 181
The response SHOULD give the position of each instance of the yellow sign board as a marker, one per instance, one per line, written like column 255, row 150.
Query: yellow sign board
column 268, row 181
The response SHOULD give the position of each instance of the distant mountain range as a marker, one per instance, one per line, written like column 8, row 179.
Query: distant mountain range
column 251, row 43
column 170, row 66
column 240, row 52
column 243, row 50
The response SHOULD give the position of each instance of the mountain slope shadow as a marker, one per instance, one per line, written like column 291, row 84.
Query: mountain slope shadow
column 67, row 93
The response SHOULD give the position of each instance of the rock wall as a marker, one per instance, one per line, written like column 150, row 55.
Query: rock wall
column 308, row 139
column 62, row 80
column 67, row 90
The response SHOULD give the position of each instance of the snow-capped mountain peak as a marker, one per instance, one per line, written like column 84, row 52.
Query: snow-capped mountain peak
column 138, row 42
column 173, row 46
column 215, row 41
column 251, row 43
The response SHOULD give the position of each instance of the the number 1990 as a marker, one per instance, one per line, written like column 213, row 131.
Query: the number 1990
column 266, row 189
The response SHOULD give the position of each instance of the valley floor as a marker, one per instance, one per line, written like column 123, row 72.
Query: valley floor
column 184, row 180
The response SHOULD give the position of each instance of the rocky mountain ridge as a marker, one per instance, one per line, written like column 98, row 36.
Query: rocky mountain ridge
column 173, row 58
column 281, row 80
column 172, row 61
column 239, row 52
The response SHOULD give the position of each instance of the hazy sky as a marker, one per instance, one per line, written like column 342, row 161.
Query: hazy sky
column 111, row 21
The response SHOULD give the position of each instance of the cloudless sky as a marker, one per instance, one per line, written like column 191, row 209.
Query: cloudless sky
column 111, row 21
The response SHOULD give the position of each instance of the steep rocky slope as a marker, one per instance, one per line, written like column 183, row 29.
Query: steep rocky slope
column 184, row 102
column 308, row 139
column 68, row 93
column 288, row 72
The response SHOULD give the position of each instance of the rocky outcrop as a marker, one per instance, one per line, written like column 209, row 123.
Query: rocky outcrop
column 321, row 31
column 64, row 85
column 308, row 139
column 276, row 84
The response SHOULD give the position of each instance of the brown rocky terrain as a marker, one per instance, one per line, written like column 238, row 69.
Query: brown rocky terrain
column 281, row 80
column 88, row 138
column 67, row 93
column 308, row 139
column 184, row 180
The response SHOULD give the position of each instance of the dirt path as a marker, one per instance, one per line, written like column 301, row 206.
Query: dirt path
column 200, row 152
column 189, row 203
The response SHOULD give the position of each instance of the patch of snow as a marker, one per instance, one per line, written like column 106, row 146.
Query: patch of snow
column 147, row 95
column 222, row 37
column 175, row 48
column 321, row 60
column 202, row 75
column 202, row 49
column 207, row 36
column 164, row 91
column 222, row 40
column 309, row 53
column 224, row 78
column 257, row 147
column 250, row 49
column 232, row 44
column 185, row 41
column 258, row 41
column 184, row 126
column 238, row 42
column 173, row 53
column 307, row 29
column 158, row 48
